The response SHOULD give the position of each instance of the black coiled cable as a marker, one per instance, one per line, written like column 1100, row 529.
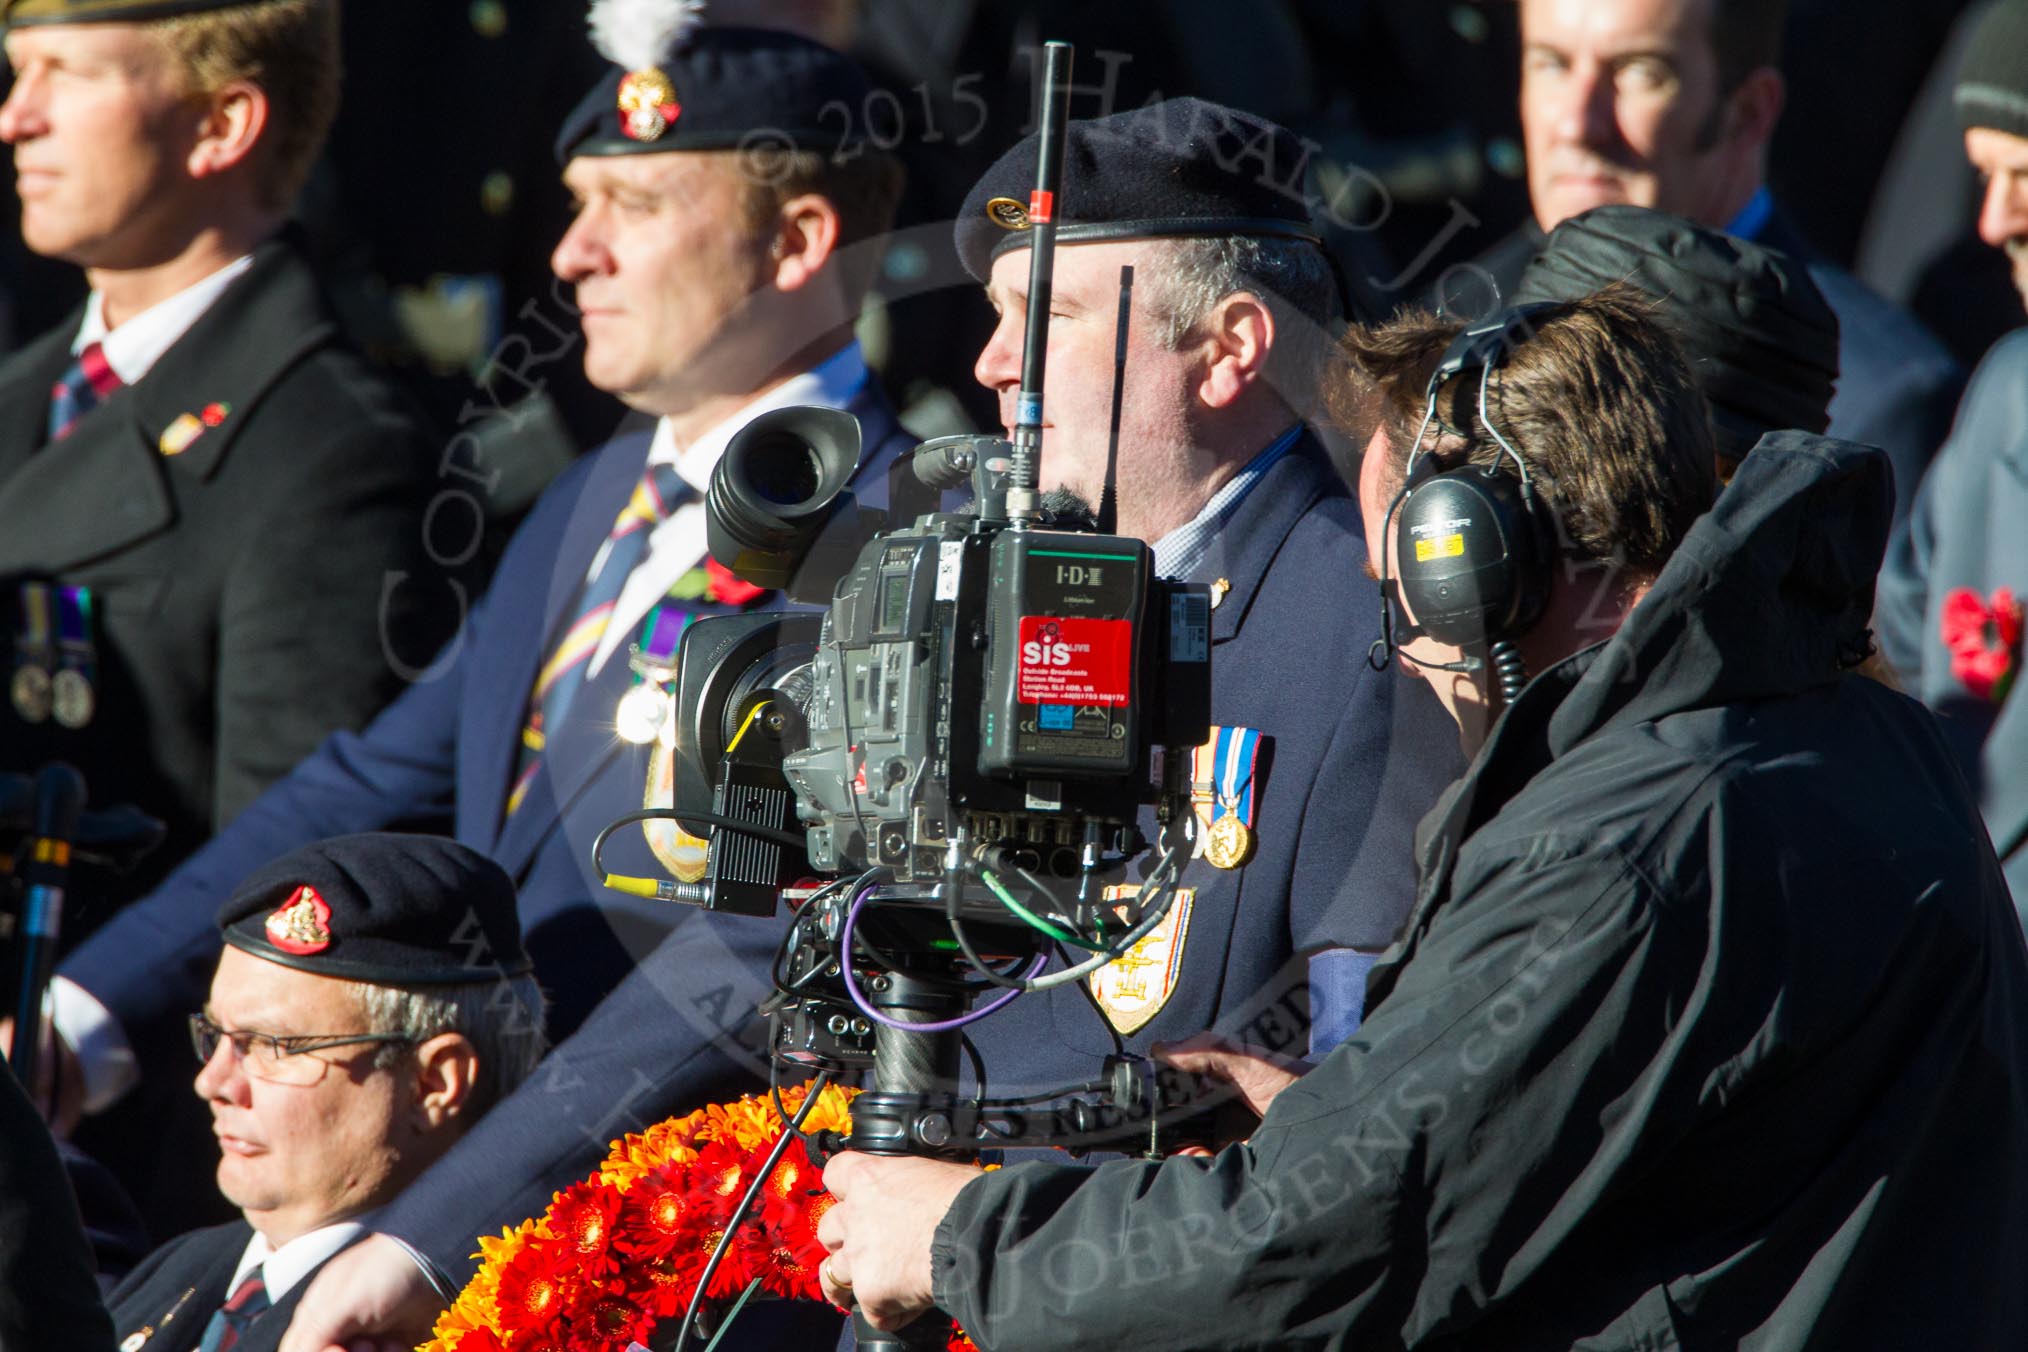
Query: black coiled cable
column 1510, row 668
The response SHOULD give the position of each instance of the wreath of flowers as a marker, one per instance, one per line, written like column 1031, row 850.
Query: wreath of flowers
column 621, row 1252
column 1984, row 639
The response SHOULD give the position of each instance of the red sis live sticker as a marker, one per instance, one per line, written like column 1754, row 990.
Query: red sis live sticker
column 1072, row 661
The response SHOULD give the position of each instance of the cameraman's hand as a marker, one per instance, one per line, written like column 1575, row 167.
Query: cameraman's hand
column 59, row 1067
column 369, row 1298
column 879, row 1233
column 1258, row 1075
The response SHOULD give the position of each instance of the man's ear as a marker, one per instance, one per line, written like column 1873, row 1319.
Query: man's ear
column 1757, row 106
column 446, row 1073
column 229, row 128
column 807, row 229
column 1236, row 337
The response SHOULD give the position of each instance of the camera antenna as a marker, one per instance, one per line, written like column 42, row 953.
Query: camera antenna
column 1022, row 498
column 1109, row 500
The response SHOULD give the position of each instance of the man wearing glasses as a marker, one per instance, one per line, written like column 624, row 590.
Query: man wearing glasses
column 372, row 999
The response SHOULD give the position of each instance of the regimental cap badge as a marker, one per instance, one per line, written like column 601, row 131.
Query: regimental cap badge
column 1008, row 214
column 648, row 105
column 302, row 924
column 640, row 36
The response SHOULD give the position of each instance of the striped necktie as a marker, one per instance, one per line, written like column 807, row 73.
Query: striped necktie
column 88, row 381
column 660, row 492
column 228, row 1326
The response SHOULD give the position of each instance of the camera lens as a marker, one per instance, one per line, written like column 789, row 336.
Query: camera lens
column 785, row 472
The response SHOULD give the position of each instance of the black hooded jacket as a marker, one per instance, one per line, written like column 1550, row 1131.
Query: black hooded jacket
column 1707, row 1030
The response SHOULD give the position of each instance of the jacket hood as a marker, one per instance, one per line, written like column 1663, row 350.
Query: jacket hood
column 1771, row 593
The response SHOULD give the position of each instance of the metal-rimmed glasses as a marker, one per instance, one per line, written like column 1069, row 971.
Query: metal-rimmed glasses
column 277, row 1058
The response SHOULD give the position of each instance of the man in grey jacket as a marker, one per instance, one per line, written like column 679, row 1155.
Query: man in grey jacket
column 1951, row 593
column 1703, row 940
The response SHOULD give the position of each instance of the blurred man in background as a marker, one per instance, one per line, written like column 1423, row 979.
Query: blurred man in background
column 1671, row 104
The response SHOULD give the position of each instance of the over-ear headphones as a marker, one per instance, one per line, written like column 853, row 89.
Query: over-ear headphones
column 1473, row 559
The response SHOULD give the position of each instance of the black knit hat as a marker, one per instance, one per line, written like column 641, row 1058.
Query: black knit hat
column 392, row 909
column 1761, row 338
column 721, row 89
column 1993, row 83
column 1183, row 168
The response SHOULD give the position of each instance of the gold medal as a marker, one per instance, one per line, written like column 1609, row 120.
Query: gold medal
column 1230, row 843
column 71, row 698
column 30, row 691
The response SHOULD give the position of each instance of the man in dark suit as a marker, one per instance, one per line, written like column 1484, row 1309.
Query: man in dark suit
column 353, row 1032
column 1671, row 104
column 204, row 496
column 713, row 288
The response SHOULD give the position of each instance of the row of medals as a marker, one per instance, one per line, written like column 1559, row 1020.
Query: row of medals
column 66, row 696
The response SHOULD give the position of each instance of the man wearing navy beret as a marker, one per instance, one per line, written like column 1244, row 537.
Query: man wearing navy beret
column 1318, row 765
column 371, row 1001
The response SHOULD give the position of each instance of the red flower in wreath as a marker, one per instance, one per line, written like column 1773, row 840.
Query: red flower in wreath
column 536, row 1289
column 582, row 1218
column 1984, row 640
column 725, row 587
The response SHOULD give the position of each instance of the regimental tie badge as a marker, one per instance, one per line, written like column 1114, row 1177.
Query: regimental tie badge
column 648, row 106
column 1132, row 988
column 302, row 924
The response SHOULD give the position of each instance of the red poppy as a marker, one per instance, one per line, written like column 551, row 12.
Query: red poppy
column 725, row 587
column 1984, row 640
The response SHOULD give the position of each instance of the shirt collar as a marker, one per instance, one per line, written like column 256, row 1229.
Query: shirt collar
column 1183, row 548
column 1753, row 217
column 832, row 383
column 134, row 347
column 282, row 1268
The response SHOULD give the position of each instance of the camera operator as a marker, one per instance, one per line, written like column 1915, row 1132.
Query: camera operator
column 1316, row 762
column 1706, row 1028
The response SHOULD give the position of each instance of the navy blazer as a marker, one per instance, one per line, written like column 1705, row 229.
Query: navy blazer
column 448, row 747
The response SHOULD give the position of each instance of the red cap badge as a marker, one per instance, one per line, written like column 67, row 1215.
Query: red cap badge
column 302, row 924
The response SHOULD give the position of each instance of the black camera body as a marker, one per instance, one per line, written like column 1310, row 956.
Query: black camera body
column 1008, row 687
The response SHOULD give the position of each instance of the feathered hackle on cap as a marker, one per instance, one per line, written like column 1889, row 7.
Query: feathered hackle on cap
column 641, row 34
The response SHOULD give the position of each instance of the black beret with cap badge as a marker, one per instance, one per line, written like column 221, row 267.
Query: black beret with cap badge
column 677, row 84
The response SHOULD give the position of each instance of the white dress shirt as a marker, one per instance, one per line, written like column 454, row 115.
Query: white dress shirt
column 282, row 1268
column 134, row 347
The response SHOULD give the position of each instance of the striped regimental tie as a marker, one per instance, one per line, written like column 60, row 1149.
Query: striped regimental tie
column 660, row 492
column 229, row 1324
column 83, row 387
